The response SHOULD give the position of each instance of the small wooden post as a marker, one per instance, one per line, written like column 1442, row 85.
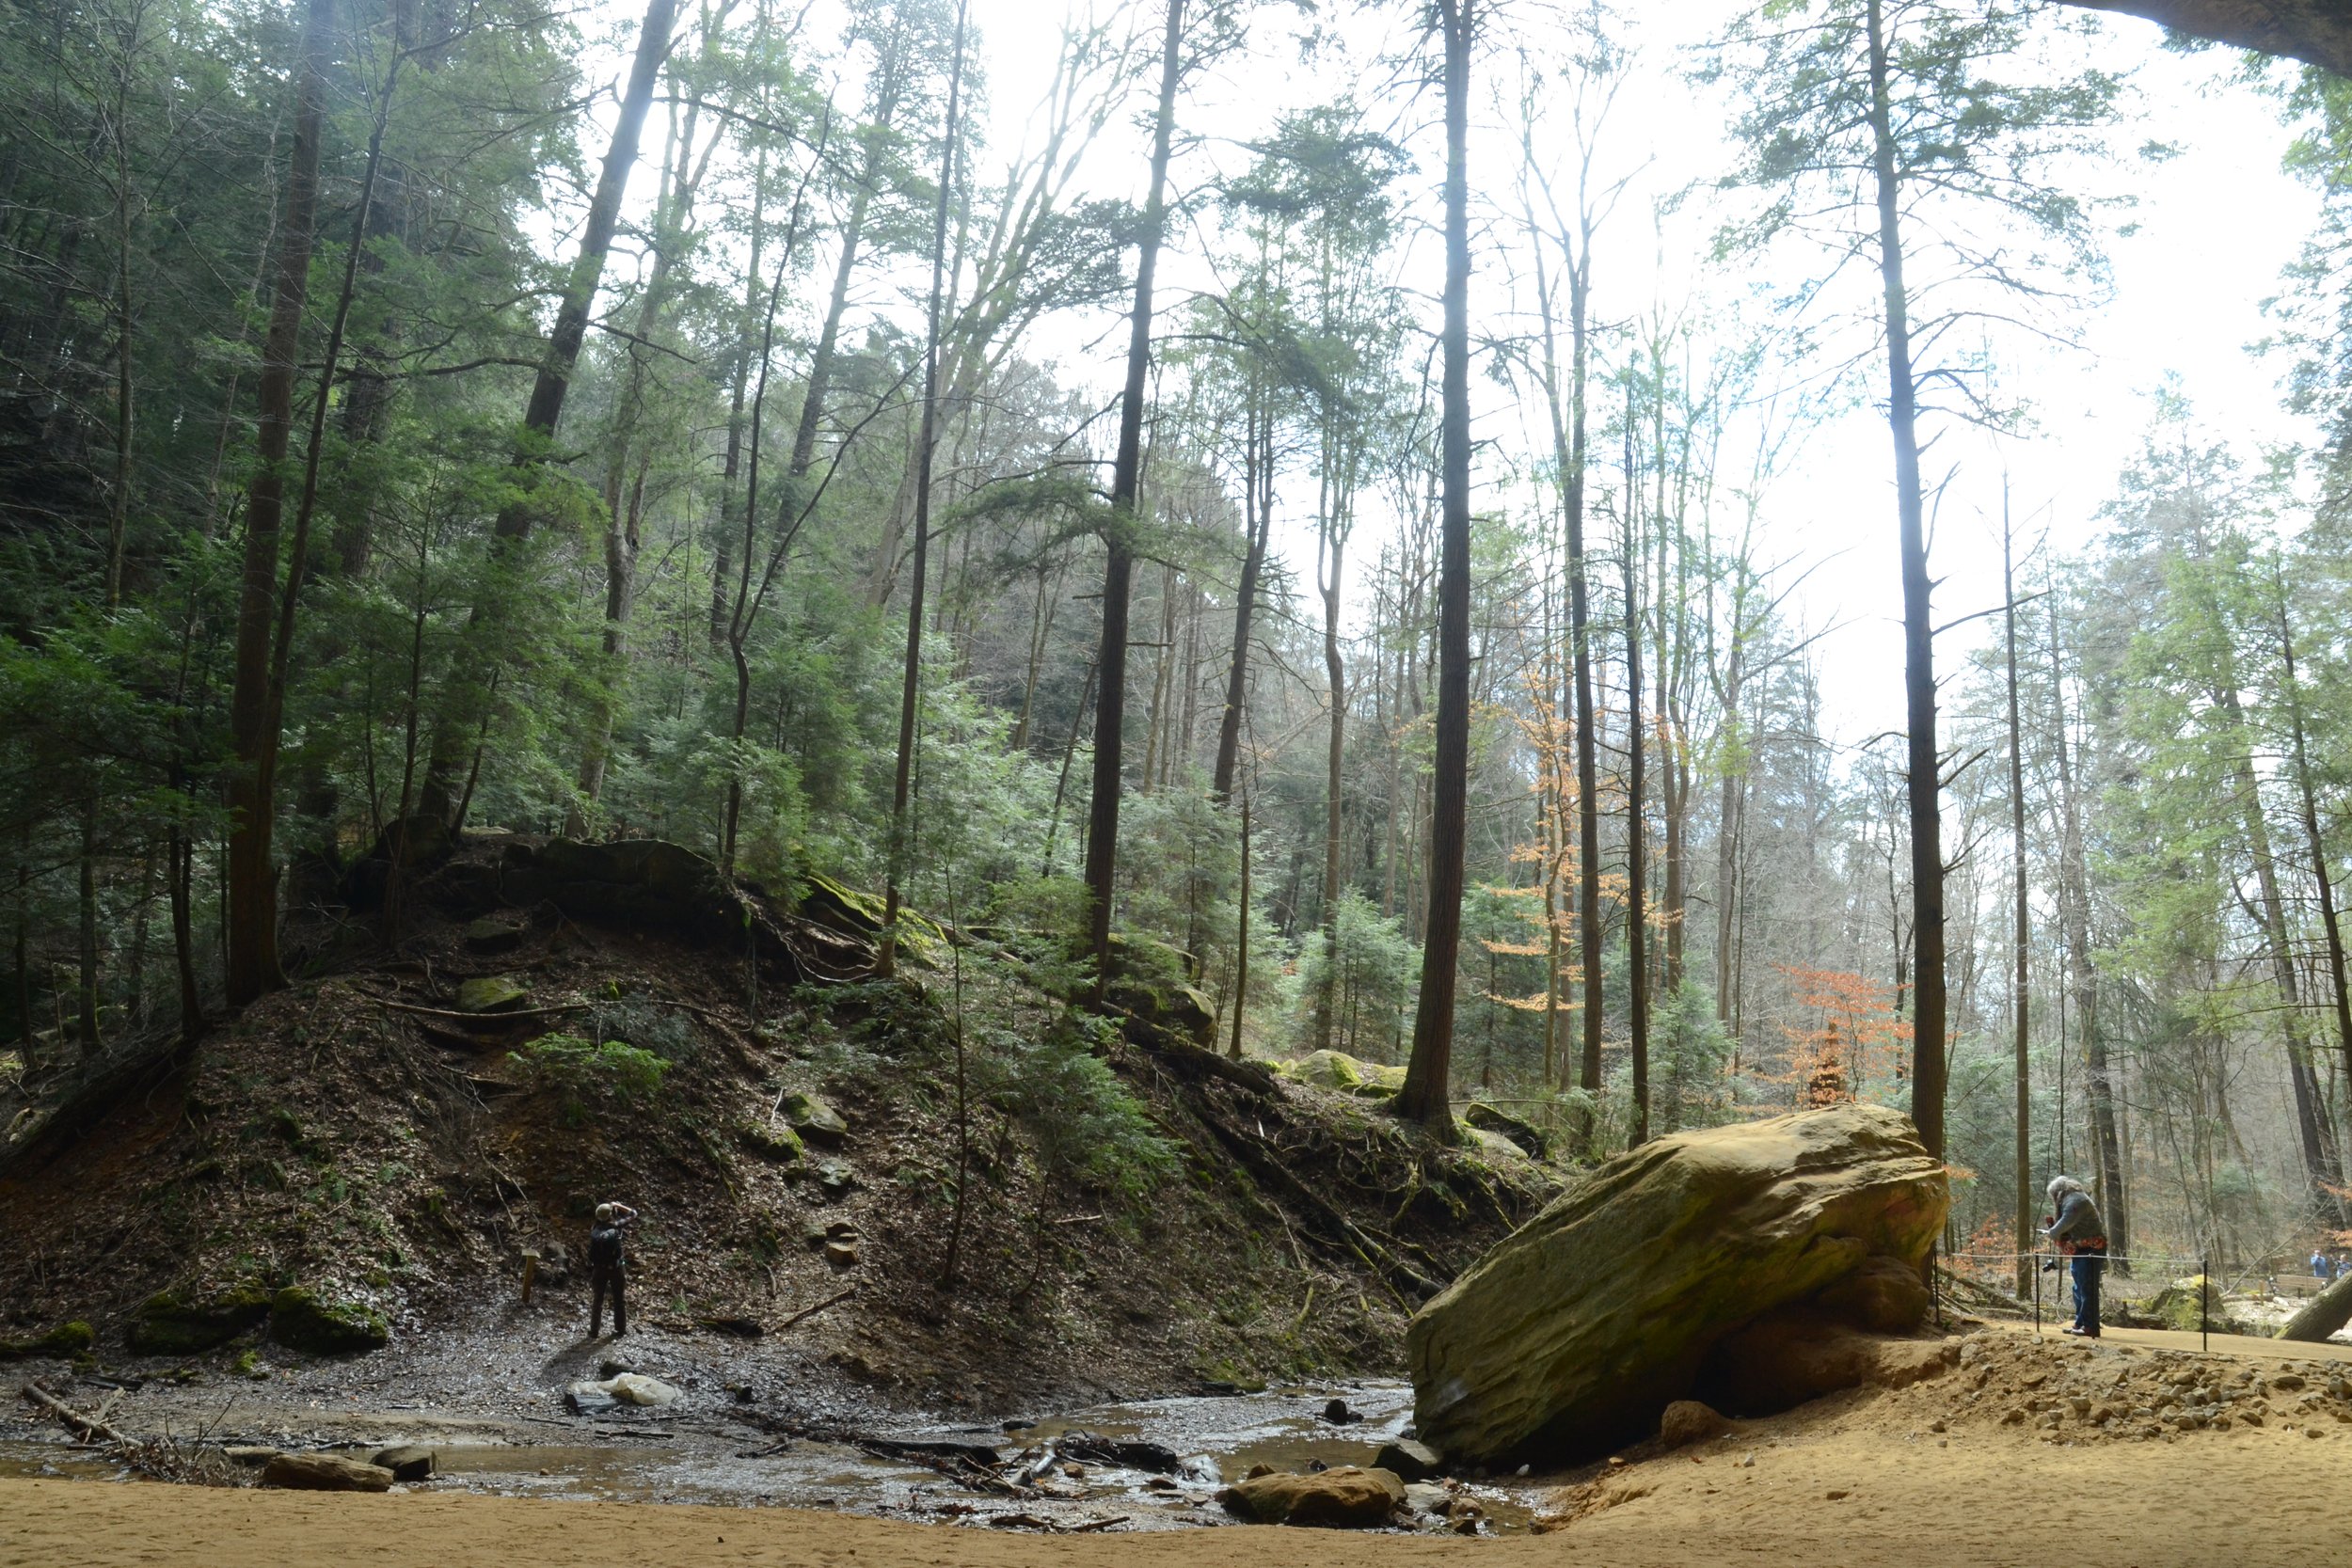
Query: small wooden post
column 530, row 1273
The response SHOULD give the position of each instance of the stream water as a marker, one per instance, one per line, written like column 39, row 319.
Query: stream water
column 1218, row 1438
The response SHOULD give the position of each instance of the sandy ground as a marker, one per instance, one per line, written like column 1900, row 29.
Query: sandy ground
column 1865, row 1479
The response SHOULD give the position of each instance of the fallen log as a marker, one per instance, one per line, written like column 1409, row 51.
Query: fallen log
column 2323, row 1315
column 89, row 1426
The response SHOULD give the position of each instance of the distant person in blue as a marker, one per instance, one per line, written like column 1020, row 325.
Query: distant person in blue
column 2076, row 1229
column 2319, row 1264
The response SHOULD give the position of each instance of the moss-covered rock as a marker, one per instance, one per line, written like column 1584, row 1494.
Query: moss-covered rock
column 2188, row 1305
column 813, row 1118
column 65, row 1340
column 182, row 1321
column 493, row 993
column 301, row 1320
column 770, row 1141
column 1573, row 1334
column 1337, row 1069
column 1530, row 1139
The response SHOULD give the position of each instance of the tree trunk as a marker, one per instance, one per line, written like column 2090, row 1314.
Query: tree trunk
column 1240, row 936
column 544, row 411
column 2316, row 847
column 1330, row 543
column 1636, row 918
column 86, row 991
column 910, row 683
column 2022, row 931
column 1257, row 518
column 1110, row 707
column 2326, row 1312
column 2074, row 913
column 1426, row 1097
column 252, row 891
column 1923, row 763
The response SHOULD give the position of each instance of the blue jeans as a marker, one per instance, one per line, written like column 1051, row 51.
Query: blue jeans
column 2086, row 1268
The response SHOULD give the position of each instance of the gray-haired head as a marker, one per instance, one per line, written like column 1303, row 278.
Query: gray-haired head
column 2061, row 1185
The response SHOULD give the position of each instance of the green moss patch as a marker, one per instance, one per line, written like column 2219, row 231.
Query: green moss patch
column 301, row 1320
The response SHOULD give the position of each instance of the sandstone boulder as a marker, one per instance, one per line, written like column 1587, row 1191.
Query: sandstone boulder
column 1411, row 1458
column 1572, row 1334
column 325, row 1472
column 1347, row 1497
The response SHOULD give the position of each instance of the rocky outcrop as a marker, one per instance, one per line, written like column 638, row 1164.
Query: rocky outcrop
column 1347, row 1497
column 1573, row 1334
column 184, row 1321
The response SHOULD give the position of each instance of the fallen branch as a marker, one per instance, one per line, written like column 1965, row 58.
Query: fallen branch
column 89, row 1426
column 807, row 1312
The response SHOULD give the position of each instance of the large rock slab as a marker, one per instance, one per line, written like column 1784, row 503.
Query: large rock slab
column 1342, row 1498
column 1573, row 1332
column 325, row 1472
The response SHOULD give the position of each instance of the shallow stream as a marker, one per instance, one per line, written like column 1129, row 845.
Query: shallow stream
column 1217, row 1438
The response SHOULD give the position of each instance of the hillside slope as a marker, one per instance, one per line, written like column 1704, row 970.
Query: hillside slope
column 562, row 1025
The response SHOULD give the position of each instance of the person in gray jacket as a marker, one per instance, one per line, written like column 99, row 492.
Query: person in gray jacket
column 2081, row 1237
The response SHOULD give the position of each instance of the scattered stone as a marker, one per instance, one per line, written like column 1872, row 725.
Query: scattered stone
column 1574, row 1332
column 249, row 1454
column 1412, row 1460
column 1256, row 1470
column 836, row 1179
column 408, row 1462
column 299, row 1318
column 492, row 935
column 493, row 993
column 637, row 1388
column 814, row 1119
column 1687, row 1421
column 1423, row 1497
column 325, row 1472
column 1347, row 1497
column 588, row 1399
column 841, row 1254
column 1337, row 1412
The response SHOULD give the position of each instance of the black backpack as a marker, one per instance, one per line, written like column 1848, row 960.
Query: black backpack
column 604, row 1247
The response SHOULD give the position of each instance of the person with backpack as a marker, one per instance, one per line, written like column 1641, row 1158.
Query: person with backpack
column 2081, row 1237
column 607, row 1268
